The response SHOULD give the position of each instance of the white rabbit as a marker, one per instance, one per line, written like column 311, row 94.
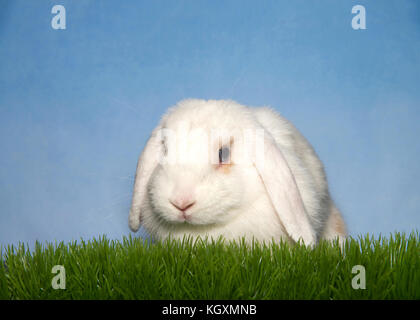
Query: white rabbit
column 217, row 168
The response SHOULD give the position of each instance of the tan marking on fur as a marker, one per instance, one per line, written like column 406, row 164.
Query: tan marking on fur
column 341, row 227
column 225, row 168
column 339, row 224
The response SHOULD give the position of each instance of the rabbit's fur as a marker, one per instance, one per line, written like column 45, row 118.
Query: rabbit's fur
column 276, row 190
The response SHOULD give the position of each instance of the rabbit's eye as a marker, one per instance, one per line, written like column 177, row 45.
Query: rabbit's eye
column 224, row 155
column 165, row 148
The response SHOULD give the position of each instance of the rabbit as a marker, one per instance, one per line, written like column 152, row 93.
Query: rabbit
column 216, row 168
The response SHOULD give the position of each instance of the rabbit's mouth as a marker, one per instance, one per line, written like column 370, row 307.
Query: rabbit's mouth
column 185, row 217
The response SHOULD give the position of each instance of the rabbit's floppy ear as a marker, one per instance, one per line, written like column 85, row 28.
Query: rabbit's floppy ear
column 283, row 191
column 147, row 163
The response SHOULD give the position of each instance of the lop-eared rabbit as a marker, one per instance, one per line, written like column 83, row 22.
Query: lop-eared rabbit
column 216, row 168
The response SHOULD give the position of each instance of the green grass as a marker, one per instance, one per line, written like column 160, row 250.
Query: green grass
column 133, row 269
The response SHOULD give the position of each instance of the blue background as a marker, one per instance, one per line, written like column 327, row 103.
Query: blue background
column 77, row 105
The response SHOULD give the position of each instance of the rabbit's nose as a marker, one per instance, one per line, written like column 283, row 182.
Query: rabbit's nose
column 182, row 204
